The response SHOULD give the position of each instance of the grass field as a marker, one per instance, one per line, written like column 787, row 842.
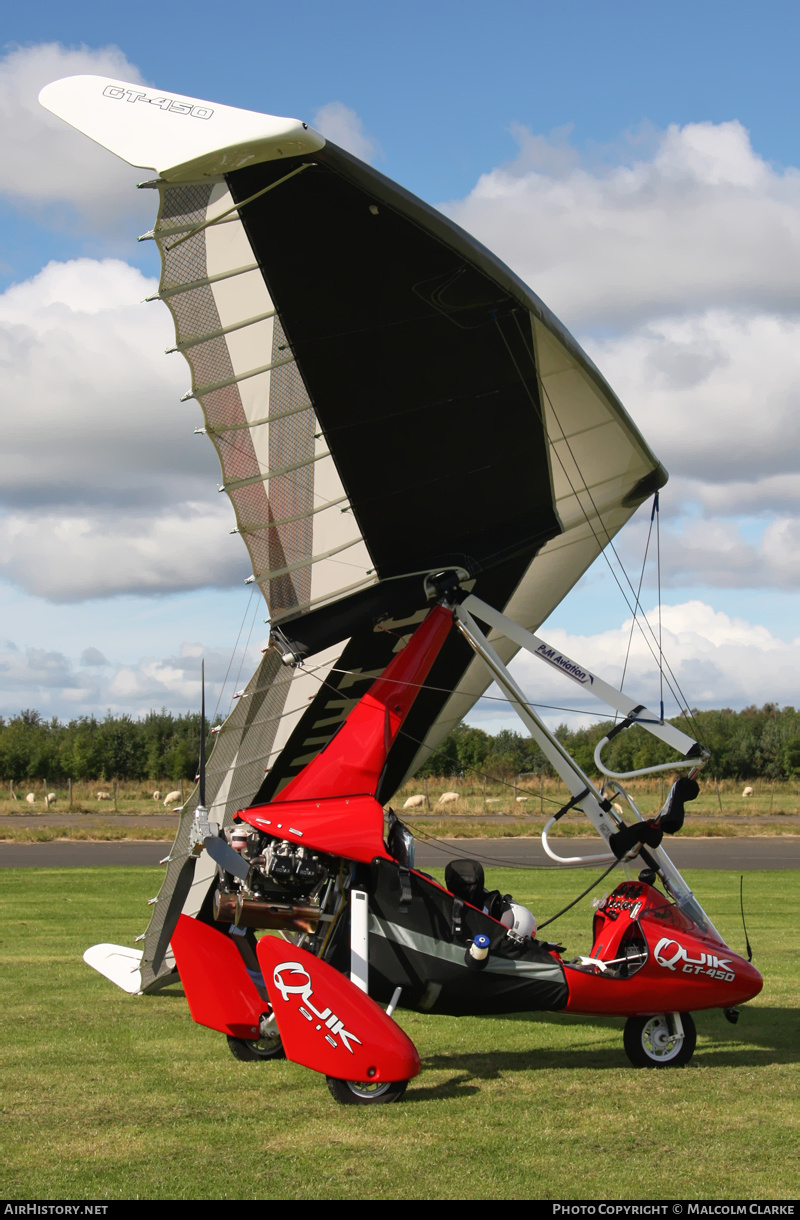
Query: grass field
column 107, row 1096
column 539, row 796
column 494, row 810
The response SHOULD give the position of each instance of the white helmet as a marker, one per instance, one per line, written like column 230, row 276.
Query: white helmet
column 519, row 921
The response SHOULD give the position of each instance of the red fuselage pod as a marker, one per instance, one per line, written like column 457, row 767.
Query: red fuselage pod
column 326, row 1023
column 330, row 806
column 218, row 989
column 349, row 826
column 657, row 960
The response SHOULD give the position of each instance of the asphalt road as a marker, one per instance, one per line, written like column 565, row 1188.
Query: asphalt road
column 729, row 853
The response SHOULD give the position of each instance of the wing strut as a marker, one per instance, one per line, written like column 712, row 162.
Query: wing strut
column 599, row 811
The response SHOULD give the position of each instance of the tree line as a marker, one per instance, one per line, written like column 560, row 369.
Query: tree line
column 158, row 746
column 754, row 743
column 757, row 743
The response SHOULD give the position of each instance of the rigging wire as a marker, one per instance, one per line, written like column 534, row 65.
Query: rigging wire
column 233, row 652
column 247, row 645
column 491, row 861
column 574, row 902
column 658, row 567
column 434, row 750
column 638, row 592
column 658, row 656
column 454, row 690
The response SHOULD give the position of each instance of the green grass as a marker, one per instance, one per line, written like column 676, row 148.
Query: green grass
column 449, row 828
column 534, row 797
column 108, row 1096
column 95, row 833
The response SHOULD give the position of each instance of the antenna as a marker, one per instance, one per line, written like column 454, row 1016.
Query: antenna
column 744, row 926
column 202, row 774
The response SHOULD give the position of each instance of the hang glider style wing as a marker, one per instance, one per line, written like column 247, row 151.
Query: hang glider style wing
column 387, row 400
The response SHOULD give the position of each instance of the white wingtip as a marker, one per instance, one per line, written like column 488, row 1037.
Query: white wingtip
column 180, row 137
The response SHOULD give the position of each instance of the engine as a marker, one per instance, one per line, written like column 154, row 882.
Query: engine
column 287, row 885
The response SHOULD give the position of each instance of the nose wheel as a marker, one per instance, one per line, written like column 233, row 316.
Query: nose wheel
column 366, row 1093
column 667, row 1040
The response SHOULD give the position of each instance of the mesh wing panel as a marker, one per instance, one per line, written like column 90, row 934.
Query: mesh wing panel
column 275, row 514
column 234, row 775
column 247, row 450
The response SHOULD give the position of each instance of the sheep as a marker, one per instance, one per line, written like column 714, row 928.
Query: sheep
column 171, row 796
column 51, row 798
column 748, row 791
column 520, row 799
column 447, row 798
column 493, row 800
column 30, row 798
column 414, row 802
column 156, row 795
column 104, row 796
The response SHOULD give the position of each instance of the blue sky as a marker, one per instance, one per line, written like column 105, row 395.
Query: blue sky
column 636, row 164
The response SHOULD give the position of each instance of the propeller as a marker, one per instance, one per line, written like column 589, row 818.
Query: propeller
column 226, row 856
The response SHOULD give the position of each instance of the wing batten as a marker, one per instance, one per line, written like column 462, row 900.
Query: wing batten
column 202, row 390
column 202, row 282
column 275, row 474
column 224, row 330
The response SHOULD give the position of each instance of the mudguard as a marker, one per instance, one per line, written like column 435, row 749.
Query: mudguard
column 326, row 1023
column 218, row 988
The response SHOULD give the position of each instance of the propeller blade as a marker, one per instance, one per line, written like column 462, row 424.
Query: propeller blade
column 179, row 896
column 224, row 855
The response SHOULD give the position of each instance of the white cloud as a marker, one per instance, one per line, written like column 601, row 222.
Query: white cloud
column 718, row 553
column 59, row 685
column 46, row 162
column 718, row 660
column 702, row 222
column 342, row 126
column 716, row 394
column 77, row 557
column 105, row 490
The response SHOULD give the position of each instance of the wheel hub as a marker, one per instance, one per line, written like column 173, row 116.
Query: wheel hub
column 658, row 1040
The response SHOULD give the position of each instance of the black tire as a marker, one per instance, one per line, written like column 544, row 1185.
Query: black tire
column 259, row 1048
column 648, row 1042
column 365, row 1092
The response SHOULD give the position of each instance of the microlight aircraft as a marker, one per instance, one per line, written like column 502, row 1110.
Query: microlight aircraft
column 422, row 462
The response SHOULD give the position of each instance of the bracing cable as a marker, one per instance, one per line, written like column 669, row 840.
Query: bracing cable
column 574, row 902
column 653, row 647
column 233, row 651
column 638, row 595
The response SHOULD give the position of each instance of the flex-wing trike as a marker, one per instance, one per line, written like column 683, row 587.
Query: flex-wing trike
column 362, row 928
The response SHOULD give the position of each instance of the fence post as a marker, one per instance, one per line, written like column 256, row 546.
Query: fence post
column 69, row 789
column 115, row 796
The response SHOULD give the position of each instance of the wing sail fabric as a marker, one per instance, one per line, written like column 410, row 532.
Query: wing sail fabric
column 276, row 468
column 387, row 400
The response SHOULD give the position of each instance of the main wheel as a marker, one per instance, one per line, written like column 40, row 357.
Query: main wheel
column 259, row 1048
column 366, row 1092
column 649, row 1042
